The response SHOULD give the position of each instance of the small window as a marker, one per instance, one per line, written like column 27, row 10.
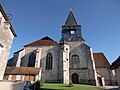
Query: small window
column 72, row 32
column 67, row 59
column 66, row 49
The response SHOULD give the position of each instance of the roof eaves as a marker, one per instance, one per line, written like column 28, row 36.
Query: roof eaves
column 18, row 51
column 53, row 43
column 115, row 64
column 6, row 18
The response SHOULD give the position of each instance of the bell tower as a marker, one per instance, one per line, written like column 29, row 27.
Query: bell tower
column 71, row 31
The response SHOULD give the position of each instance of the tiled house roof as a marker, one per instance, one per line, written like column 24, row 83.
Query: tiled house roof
column 22, row 71
column 115, row 64
column 46, row 41
column 100, row 60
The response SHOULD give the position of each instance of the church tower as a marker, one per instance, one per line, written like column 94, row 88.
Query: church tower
column 71, row 31
column 77, row 64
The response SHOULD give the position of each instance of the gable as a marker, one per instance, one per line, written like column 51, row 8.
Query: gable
column 46, row 41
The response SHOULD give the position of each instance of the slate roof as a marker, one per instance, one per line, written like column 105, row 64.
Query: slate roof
column 100, row 60
column 71, row 21
column 46, row 41
column 22, row 71
column 115, row 64
column 6, row 18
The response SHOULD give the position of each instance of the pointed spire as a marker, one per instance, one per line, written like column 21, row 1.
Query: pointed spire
column 71, row 21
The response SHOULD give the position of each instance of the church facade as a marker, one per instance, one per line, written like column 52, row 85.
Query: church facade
column 70, row 60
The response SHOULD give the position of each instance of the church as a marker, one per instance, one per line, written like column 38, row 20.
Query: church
column 70, row 60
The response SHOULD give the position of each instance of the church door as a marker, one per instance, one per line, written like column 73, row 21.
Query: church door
column 100, row 81
column 75, row 78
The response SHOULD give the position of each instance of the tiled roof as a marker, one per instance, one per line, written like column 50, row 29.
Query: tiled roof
column 22, row 71
column 46, row 41
column 116, row 63
column 100, row 60
column 6, row 18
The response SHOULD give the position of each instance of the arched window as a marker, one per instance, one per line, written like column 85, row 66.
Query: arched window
column 32, row 59
column 49, row 60
column 75, row 59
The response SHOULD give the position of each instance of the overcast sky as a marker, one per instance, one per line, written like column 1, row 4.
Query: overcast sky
column 35, row 19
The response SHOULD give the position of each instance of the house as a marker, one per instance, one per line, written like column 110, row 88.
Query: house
column 7, row 35
column 22, row 73
column 102, row 65
column 116, row 66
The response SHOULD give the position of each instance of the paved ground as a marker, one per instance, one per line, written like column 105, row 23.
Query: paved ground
column 110, row 88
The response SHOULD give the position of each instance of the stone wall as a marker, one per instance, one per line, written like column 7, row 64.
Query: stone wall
column 65, row 62
column 6, row 38
column 117, row 70
column 50, row 75
column 18, row 57
column 85, row 69
column 106, row 74
column 41, row 52
column 25, row 57
column 11, row 85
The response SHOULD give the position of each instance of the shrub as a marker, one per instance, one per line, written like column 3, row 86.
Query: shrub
column 70, row 84
column 41, row 82
column 37, row 84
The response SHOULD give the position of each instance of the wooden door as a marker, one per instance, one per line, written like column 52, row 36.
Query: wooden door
column 100, row 81
column 75, row 78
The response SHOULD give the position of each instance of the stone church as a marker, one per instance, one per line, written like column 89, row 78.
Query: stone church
column 70, row 60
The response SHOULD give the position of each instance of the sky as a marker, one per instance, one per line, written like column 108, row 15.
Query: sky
column 35, row 19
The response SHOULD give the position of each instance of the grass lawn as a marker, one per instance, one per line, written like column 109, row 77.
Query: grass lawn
column 54, row 86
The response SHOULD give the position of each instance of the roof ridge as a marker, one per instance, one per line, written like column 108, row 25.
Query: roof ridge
column 98, row 52
column 47, row 38
column 45, row 41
